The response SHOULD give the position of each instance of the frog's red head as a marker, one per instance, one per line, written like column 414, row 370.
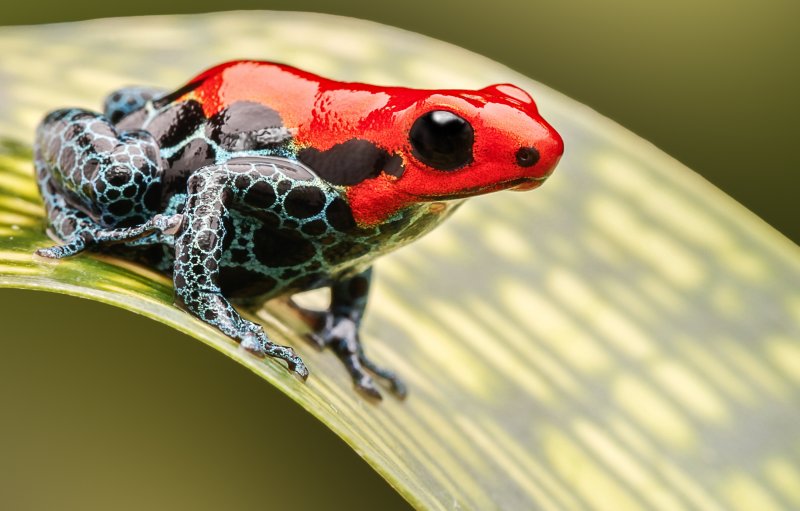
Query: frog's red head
column 458, row 144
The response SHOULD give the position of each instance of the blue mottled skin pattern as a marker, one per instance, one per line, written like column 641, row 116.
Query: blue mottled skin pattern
column 222, row 206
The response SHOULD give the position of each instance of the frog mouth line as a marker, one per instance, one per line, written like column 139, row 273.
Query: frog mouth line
column 528, row 183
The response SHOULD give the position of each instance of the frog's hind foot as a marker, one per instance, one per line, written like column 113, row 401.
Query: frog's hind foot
column 88, row 236
column 75, row 246
column 123, row 101
column 341, row 335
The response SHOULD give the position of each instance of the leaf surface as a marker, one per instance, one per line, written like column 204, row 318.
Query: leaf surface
column 626, row 337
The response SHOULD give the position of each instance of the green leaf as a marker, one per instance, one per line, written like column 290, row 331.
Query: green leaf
column 626, row 337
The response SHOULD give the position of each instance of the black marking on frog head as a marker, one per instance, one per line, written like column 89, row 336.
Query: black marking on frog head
column 351, row 162
column 267, row 217
column 176, row 123
column 246, row 125
column 242, row 181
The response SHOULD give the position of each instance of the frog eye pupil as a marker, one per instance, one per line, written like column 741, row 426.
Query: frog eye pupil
column 442, row 140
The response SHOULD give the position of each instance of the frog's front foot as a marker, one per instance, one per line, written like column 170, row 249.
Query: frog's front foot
column 340, row 333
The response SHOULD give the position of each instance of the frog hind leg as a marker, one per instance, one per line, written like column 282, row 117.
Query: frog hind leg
column 95, row 181
column 123, row 101
column 338, row 329
column 199, row 248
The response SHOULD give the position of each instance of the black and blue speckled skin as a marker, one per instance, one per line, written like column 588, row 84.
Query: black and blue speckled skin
column 222, row 204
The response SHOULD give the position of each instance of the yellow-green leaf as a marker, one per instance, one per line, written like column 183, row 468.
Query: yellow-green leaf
column 626, row 337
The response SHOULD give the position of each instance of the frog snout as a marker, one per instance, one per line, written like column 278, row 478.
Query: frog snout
column 538, row 165
column 528, row 156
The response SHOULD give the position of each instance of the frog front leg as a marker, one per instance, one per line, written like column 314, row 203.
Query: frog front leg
column 198, row 253
column 338, row 329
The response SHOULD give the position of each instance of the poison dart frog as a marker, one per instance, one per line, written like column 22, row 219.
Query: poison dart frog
column 257, row 180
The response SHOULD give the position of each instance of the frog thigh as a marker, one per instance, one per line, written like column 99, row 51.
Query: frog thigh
column 93, row 177
column 112, row 176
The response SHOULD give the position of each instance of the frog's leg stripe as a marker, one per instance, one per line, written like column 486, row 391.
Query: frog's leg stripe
column 198, row 252
column 340, row 332
column 121, row 102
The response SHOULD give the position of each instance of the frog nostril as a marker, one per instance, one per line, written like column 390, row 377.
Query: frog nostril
column 527, row 156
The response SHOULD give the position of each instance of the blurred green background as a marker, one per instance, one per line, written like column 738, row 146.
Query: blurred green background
column 172, row 425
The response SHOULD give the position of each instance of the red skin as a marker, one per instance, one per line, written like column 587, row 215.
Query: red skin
column 322, row 113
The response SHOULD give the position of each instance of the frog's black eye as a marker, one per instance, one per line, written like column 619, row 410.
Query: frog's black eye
column 442, row 140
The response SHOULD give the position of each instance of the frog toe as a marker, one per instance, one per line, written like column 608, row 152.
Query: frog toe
column 341, row 335
column 54, row 252
column 294, row 362
column 261, row 348
column 366, row 386
column 72, row 247
column 396, row 385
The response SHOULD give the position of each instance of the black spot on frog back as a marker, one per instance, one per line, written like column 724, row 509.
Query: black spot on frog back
column 247, row 125
column 180, row 166
column 176, row 123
